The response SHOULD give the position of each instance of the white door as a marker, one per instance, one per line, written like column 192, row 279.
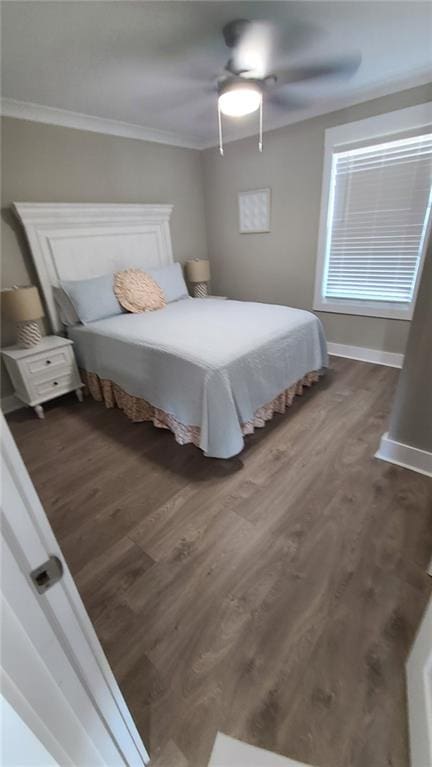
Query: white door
column 419, row 688
column 20, row 747
column 54, row 672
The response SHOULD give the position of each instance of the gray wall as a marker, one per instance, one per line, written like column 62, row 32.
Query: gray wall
column 411, row 417
column 279, row 266
column 43, row 163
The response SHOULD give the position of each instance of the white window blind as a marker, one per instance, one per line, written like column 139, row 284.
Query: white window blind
column 379, row 206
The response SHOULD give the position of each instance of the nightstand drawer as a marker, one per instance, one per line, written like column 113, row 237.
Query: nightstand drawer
column 53, row 373
column 65, row 379
column 44, row 363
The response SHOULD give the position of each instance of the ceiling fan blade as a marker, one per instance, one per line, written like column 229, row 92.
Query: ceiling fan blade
column 233, row 31
column 286, row 101
column 341, row 67
column 251, row 46
column 256, row 43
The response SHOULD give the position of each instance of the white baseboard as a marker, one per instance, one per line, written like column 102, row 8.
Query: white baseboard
column 11, row 403
column 392, row 359
column 405, row 455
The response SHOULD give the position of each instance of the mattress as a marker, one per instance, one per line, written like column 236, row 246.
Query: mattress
column 209, row 363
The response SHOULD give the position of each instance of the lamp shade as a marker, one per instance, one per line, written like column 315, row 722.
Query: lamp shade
column 198, row 270
column 22, row 304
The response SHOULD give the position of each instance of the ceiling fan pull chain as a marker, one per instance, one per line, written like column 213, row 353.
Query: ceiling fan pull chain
column 260, row 139
column 221, row 151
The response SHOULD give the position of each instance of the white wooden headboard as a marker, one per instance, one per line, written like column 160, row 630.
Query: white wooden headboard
column 76, row 241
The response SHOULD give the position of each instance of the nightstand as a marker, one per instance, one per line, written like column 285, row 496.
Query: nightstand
column 43, row 372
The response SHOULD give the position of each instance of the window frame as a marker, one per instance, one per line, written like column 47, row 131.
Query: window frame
column 342, row 138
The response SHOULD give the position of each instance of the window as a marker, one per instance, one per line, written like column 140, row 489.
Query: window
column 375, row 221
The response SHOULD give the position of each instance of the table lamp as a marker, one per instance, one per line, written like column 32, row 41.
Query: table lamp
column 198, row 274
column 23, row 306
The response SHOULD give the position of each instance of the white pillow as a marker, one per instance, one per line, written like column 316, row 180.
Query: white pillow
column 170, row 279
column 94, row 298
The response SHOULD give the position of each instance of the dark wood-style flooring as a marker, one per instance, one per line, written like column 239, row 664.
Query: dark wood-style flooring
column 273, row 596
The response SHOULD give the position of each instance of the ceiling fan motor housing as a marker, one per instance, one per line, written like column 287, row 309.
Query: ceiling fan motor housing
column 237, row 83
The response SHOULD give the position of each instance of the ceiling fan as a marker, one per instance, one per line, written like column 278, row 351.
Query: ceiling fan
column 247, row 77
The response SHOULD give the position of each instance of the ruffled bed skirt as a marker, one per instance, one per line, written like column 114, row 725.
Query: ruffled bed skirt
column 138, row 410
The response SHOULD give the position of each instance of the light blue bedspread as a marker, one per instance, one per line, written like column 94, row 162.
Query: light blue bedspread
column 208, row 362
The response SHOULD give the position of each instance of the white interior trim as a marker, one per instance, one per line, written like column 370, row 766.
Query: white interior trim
column 385, row 309
column 370, row 128
column 26, row 110
column 405, row 455
column 411, row 118
column 75, row 241
column 230, row 752
column 362, row 353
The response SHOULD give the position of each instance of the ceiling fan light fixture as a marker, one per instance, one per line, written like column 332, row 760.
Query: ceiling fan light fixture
column 240, row 100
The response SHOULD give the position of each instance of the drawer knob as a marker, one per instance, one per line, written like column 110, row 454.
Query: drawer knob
column 47, row 362
column 55, row 383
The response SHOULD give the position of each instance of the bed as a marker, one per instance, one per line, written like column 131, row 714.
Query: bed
column 211, row 371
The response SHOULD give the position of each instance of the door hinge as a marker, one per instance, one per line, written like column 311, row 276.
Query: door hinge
column 47, row 575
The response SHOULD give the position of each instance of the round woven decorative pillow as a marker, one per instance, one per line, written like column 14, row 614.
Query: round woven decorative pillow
column 136, row 291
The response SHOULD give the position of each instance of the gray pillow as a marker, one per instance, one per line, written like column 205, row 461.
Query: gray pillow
column 93, row 299
column 170, row 279
column 65, row 307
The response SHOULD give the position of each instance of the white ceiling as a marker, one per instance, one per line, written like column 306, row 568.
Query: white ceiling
column 153, row 63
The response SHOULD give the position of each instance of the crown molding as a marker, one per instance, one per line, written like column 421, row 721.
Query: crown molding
column 26, row 110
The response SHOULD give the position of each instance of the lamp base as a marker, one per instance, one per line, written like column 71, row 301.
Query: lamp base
column 200, row 290
column 28, row 334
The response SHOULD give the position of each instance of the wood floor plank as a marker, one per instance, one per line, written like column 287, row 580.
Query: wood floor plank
column 170, row 756
column 273, row 596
